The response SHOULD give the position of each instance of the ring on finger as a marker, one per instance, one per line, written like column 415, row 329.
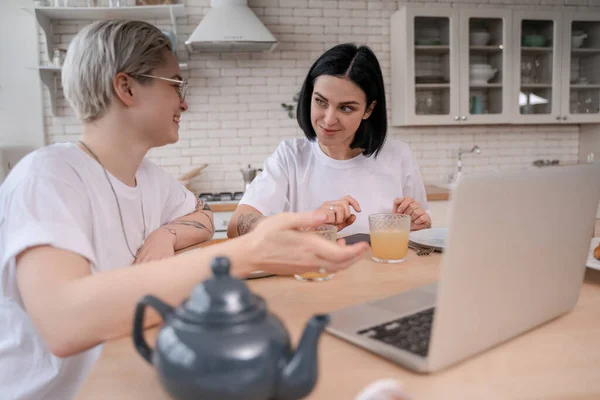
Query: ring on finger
column 332, row 207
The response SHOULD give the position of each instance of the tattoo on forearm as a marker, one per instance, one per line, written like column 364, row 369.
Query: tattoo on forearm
column 193, row 224
column 246, row 222
column 201, row 205
column 210, row 218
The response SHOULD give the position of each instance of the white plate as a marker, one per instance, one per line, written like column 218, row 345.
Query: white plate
column 434, row 237
column 592, row 261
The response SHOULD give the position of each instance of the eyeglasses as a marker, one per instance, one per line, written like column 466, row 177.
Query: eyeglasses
column 181, row 89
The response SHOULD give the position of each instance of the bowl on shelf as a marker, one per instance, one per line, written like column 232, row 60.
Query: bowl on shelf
column 533, row 41
column 480, row 74
column 577, row 38
column 428, row 42
column 479, row 37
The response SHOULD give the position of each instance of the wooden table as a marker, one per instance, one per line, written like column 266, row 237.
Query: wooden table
column 559, row 360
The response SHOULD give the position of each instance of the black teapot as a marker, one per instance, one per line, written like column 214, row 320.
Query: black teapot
column 222, row 343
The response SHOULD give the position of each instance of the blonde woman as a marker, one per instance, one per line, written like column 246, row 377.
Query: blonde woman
column 88, row 228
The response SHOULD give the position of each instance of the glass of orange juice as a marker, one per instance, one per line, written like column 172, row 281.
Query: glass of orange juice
column 328, row 232
column 389, row 237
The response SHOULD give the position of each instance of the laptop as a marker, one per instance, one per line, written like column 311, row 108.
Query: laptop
column 514, row 259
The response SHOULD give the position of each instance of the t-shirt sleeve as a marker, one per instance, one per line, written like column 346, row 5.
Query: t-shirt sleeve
column 47, row 210
column 178, row 200
column 268, row 192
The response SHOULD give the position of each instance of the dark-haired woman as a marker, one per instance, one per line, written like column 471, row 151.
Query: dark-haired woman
column 344, row 166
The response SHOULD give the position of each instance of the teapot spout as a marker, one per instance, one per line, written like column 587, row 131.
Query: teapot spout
column 299, row 376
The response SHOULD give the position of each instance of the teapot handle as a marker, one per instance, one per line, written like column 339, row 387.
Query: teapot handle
column 138, row 323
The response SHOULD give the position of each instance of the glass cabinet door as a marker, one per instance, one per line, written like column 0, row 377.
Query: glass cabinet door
column 432, row 66
column 538, row 67
column 424, row 55
column 432, row 53
column 485, row 77
column 582, row 67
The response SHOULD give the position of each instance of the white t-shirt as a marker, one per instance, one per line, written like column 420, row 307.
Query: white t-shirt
column 59, row 196
column 300, row 177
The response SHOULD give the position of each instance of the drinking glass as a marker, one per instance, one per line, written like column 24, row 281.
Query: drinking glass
column 389, row 237
column 328, row 232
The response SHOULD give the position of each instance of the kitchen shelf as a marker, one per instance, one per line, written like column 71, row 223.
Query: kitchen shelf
column 585, row 51
column 54, row 68
column 487, row 49
column 432, row 49
column 585, row 87
column 99, row 13
column 425, row 86
column 48, row 75
column 536, row 86
column 45, row 16
column 537, row 49
column 486, row 86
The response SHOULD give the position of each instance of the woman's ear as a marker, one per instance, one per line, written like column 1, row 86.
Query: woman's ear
column 122, row 84
column 370, row 109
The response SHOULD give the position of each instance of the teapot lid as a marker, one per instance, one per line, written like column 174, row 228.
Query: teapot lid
column 248, row 168
column 221, row 298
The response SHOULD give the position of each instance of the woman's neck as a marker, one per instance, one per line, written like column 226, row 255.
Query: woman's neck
column 342, row 152
column 117, row 149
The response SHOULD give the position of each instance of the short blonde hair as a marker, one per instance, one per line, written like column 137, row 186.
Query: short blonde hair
column 100, row 51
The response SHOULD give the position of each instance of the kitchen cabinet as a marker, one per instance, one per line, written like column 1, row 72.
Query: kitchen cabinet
column 47, row 15
column 471, row 65
column 537, row 67
column 581, row 90
column 557, row 78
column 435, row 54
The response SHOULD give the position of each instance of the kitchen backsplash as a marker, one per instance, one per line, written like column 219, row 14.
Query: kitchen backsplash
column 236, row 118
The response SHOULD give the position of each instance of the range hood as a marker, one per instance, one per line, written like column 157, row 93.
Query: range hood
column 230, row 26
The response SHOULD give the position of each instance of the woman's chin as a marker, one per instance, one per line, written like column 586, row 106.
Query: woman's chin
column 174, row 137
column 327, row 138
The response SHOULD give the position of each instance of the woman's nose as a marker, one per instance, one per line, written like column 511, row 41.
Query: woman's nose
column 330, row 118
column 183, row 106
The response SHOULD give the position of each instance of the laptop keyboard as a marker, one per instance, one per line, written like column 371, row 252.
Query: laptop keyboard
column 410, row 333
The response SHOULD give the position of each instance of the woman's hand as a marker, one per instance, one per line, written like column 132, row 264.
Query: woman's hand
column 339, row 213
column 282, row 245
column 160, row 244
column 419, row 217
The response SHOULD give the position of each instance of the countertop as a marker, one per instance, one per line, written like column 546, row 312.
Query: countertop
column 434, row 193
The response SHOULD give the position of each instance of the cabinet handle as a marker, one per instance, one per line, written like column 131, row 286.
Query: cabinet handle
column 558, row 118
column 463, row 118
column 225, row 222
column 456, row 118
column 564, row 118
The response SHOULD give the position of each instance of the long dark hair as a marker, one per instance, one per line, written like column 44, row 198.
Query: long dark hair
column 359, row 64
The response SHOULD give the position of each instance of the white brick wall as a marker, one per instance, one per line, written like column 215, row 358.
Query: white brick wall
column 235, row 116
